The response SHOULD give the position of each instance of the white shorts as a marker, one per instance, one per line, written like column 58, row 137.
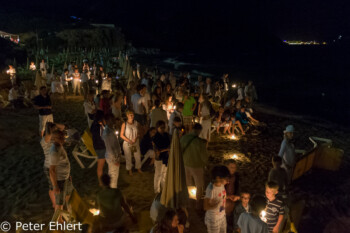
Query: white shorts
column 43, row 119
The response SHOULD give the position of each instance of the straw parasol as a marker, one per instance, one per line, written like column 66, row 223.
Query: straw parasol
column 175, row 192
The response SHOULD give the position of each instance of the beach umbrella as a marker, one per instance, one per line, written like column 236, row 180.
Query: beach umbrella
column 175, row 192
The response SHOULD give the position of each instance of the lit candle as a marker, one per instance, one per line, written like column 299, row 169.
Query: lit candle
column 8, row 71
column 174, row 107
column 192, row 191
column 234, row 156
column 233, row 137
column 117, row 133
column 94, row 211
column 234, row 86
column 96, row 81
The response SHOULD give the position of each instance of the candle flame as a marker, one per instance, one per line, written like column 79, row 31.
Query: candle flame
column 94, row 211
column 116, row 132
column 192, row 191
column 234, row 156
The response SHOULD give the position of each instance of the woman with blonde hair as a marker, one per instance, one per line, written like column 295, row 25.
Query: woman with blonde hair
column 130, row 135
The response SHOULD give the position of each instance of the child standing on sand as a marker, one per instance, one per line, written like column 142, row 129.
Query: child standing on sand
column 241, row 207
column 274, row 208
column 215, row 199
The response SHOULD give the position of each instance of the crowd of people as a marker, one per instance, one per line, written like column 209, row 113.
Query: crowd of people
column 135, row 122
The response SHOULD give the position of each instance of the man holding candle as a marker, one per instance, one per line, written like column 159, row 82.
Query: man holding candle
column 195, row 155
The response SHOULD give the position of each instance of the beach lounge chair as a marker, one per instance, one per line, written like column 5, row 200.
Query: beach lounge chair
column 85, row 149
column 77, row 212
column 322, row 156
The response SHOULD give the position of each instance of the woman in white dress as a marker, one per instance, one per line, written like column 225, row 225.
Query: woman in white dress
column 131, row 146
column 204, row 114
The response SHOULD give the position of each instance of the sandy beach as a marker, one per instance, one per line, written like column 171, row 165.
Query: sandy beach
column 23, row 186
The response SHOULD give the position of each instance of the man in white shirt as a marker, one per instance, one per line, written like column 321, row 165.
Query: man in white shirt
column 139, row 108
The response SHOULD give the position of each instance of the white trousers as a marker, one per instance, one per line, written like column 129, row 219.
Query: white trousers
column 43, row 119
column 159, row 175
column 128, row 156
column 113, row 172
column 215, row 224
column 76, row 86
column 89, row 121
column 150, row 154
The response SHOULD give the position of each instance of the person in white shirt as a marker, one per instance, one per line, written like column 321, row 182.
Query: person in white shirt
column 240, row 93
column 76, row 82
column 70, row 69
column 107, row 84
column 90, row 108
column 131, row 145
column 43, row 68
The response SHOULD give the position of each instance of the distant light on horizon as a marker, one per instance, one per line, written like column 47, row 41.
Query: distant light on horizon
column 298, row 42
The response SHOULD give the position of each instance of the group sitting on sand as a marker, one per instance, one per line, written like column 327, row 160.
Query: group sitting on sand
column 136, row 125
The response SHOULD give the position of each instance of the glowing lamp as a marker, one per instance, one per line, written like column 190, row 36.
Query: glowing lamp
column 94, row 211
column 234, row 156
column 8, row 71
column 174, row 107
column 233, row 137
column 116, row 132
column 192, row 191
column 96, row 81
column 79, row 80
column 234, row 86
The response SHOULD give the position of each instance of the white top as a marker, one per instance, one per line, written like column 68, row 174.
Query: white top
column 130, row 131
column 13, row 94
column 43, row 66
column 46, row 148
column 89, row 107
column 218, row 195
column 137, row 101
column 106, row 85
column 240, row 93
column 59, row 158
column 205, row 111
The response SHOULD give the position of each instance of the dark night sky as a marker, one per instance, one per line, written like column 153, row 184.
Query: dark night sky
column 297, row 19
